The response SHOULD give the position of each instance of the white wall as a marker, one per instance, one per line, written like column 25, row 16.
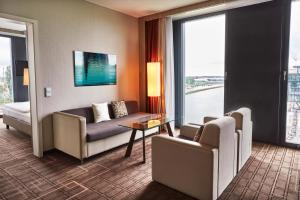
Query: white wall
column 67, row 25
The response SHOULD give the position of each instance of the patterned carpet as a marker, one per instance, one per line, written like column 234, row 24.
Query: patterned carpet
column 271, row 173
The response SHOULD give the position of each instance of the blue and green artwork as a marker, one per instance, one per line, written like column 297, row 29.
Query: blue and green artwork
column 92, row 69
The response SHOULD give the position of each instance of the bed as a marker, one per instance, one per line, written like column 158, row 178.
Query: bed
column 17, row 115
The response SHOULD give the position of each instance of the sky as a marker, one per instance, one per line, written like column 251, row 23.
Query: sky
column 295, row 35
column 205, row 46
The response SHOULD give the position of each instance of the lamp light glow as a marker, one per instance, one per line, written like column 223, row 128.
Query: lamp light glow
column 153, row 79
column 26, row 77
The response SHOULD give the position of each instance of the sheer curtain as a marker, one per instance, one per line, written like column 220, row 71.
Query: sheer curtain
column 167, row 55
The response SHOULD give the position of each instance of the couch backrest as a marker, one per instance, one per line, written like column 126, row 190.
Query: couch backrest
column 87, row 112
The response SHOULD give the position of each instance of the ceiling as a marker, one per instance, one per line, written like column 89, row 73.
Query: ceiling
column 140, row 8
column 12, row 25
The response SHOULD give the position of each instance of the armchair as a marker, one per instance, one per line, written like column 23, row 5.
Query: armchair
column 243, row 122
column 243, row 129
column 200, row 169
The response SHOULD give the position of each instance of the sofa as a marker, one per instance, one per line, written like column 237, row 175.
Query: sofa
column 200, row 169
column 76, row 134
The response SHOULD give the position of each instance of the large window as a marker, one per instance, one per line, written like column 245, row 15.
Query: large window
column 6, row 82
column 293, row 104
column 204, row 68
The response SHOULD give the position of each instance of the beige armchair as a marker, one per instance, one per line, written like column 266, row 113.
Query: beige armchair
column 243, row 122
column 243, row 129
column 200, row 169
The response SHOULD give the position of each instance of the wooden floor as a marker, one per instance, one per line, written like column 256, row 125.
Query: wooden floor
column 271, row 173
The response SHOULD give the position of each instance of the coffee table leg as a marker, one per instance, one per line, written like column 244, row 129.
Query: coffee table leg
column 169, row 129
column 144, row 148
column 130, row 144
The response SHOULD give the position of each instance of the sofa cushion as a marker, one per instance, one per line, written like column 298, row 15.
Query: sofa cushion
column 98, row 131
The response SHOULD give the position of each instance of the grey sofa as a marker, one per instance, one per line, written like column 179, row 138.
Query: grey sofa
column 76, row 134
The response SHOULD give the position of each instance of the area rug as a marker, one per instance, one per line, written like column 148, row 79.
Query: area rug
column 272, row 172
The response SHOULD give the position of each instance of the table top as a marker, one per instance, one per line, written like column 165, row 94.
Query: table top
column 145, row 123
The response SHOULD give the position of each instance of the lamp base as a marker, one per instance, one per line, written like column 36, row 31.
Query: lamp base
column 154, row 106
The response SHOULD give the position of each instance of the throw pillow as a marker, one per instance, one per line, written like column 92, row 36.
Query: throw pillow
column 100, row 111
column 198, row 134
column 119, row 108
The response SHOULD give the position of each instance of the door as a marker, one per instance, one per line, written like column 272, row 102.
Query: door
column 254, row 37
column 292, row 131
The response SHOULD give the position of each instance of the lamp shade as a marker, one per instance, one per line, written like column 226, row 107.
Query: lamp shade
column 26, row 77
column 153, row 79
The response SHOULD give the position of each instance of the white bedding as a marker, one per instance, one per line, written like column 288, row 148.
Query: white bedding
column 23, row 107
column 18, row 110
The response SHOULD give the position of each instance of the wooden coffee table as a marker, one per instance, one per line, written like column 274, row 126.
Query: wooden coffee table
column 144, row 124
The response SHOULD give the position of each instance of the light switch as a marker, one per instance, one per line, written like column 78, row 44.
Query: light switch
column 48, row 92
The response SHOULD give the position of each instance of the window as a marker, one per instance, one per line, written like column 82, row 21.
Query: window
column 204, row 52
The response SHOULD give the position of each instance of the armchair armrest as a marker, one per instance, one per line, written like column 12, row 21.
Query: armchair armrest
column 186, row 166
column 70, row 134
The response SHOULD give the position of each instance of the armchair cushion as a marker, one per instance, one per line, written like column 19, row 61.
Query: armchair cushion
column 188, row 131
column 210, row 135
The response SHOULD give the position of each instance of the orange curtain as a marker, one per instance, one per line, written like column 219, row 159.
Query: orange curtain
column 153, row 54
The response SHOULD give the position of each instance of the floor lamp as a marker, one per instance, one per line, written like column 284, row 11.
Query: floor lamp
column 26, row 80
column 153, row 81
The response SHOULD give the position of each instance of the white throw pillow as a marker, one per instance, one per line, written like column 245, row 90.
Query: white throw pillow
column 100, row 111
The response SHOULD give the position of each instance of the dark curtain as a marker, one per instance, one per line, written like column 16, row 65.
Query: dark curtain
column 152, row 55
